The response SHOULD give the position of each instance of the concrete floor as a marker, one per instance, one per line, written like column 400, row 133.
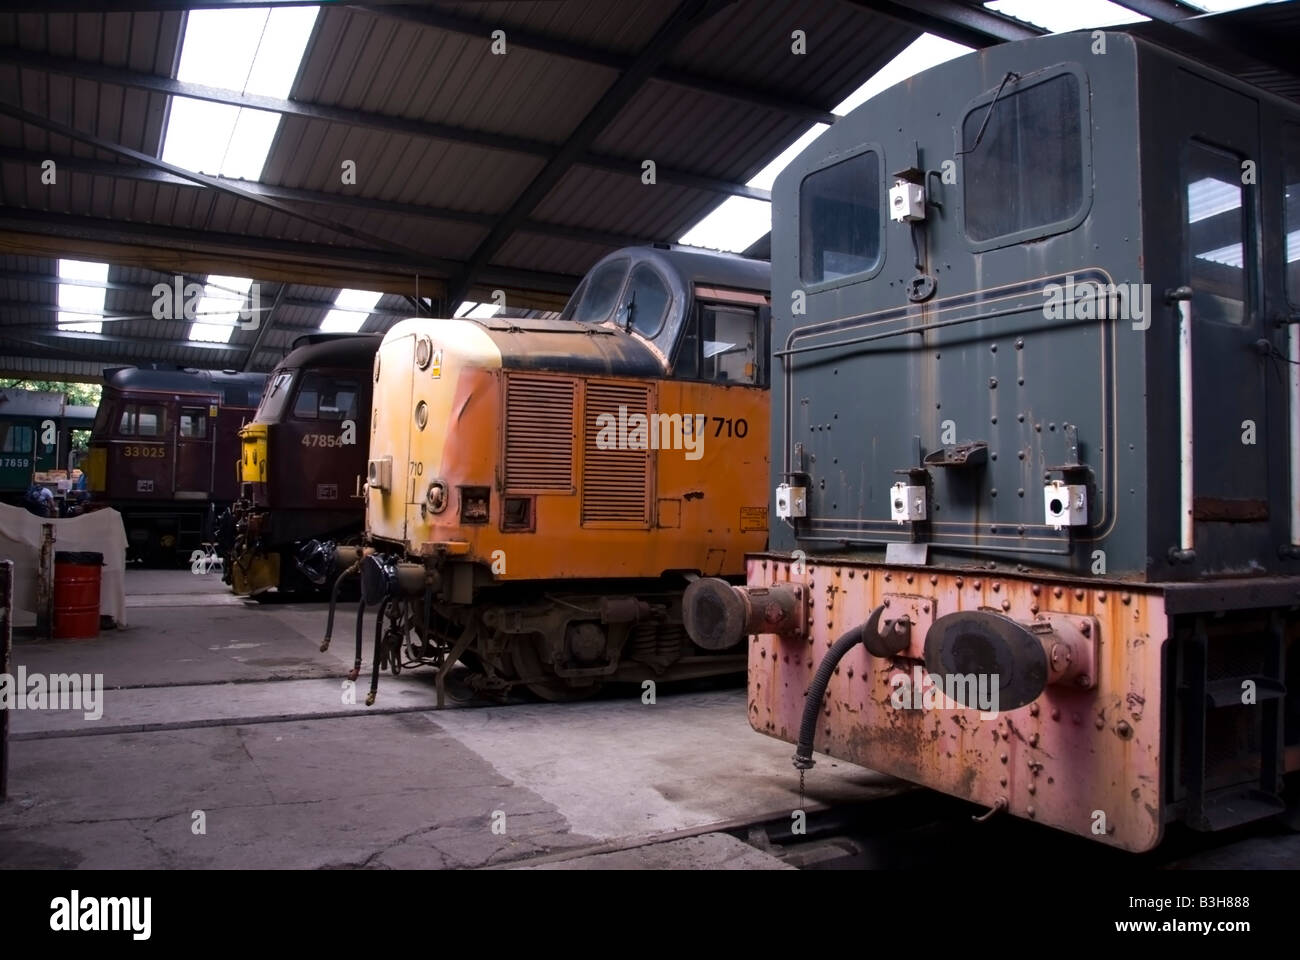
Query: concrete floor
column 224, row 714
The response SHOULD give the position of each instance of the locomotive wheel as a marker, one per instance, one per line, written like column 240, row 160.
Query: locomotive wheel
column 526, row 664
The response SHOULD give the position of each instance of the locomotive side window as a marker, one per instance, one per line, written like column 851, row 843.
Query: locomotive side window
column 151, row 421
column 839, row 219
column 1025, row 171
column 1216, row 230
column 141, row 420
column 720, row 344
column 326, row 397
column 194, row 423
column 1291, row 197
column 18, row 438
column 595, row 300
column 645, row 302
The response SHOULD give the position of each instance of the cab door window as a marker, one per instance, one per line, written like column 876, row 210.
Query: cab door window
column 720, row 344
column 194, row 423
column 1216, row 232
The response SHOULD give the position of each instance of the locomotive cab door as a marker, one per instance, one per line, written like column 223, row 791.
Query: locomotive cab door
column 390, row 474
column 1217, row 152
column 195, row 436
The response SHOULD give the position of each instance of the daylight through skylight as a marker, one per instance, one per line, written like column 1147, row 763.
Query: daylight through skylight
column 81, row 305
column 1064, row 17
column 351, row 308
column 477, row 311
column 255, row 50
column 219, row 308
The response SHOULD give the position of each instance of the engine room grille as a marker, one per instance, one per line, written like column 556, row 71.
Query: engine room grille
column 615, row 480
column 539, row 433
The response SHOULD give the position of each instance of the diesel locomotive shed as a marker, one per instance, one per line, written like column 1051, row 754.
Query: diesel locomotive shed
column 441, row 156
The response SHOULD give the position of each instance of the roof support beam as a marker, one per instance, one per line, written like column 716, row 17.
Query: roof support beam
column 359, row 118
column 685, row 18
column 151, row 6
column 450, row 23
column 973, row 25
column 204, row 251
column 264, row 327
column 199, row 346
column 146, row 289
column 100, row 168
column 561, row 47
column 1254, row 45
column 202, row 179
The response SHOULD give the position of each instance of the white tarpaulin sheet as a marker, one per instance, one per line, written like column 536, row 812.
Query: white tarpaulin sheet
column 100, row 532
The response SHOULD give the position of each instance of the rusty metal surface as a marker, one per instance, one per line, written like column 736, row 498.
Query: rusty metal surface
column 1229, row 510
column 1082, row 760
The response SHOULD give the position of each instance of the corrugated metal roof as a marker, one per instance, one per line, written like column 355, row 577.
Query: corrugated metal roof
column 436, row 195
column 1260, row 37
column 446, row 137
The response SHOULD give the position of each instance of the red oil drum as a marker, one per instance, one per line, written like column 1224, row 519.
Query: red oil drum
column 76, row 594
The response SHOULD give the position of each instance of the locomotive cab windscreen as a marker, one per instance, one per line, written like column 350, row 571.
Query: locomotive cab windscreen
column 702, row 332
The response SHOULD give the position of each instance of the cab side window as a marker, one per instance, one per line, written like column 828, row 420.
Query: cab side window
column 141, row 419
column 17, row 438
column 721, row 344
column 325, row 397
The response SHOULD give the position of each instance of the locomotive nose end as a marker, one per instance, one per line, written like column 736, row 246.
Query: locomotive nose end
column 714, row 613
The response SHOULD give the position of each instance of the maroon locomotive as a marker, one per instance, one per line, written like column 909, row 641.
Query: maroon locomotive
column 164, row 451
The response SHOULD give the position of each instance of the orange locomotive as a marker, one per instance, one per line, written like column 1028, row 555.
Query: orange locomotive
column 540, row 492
